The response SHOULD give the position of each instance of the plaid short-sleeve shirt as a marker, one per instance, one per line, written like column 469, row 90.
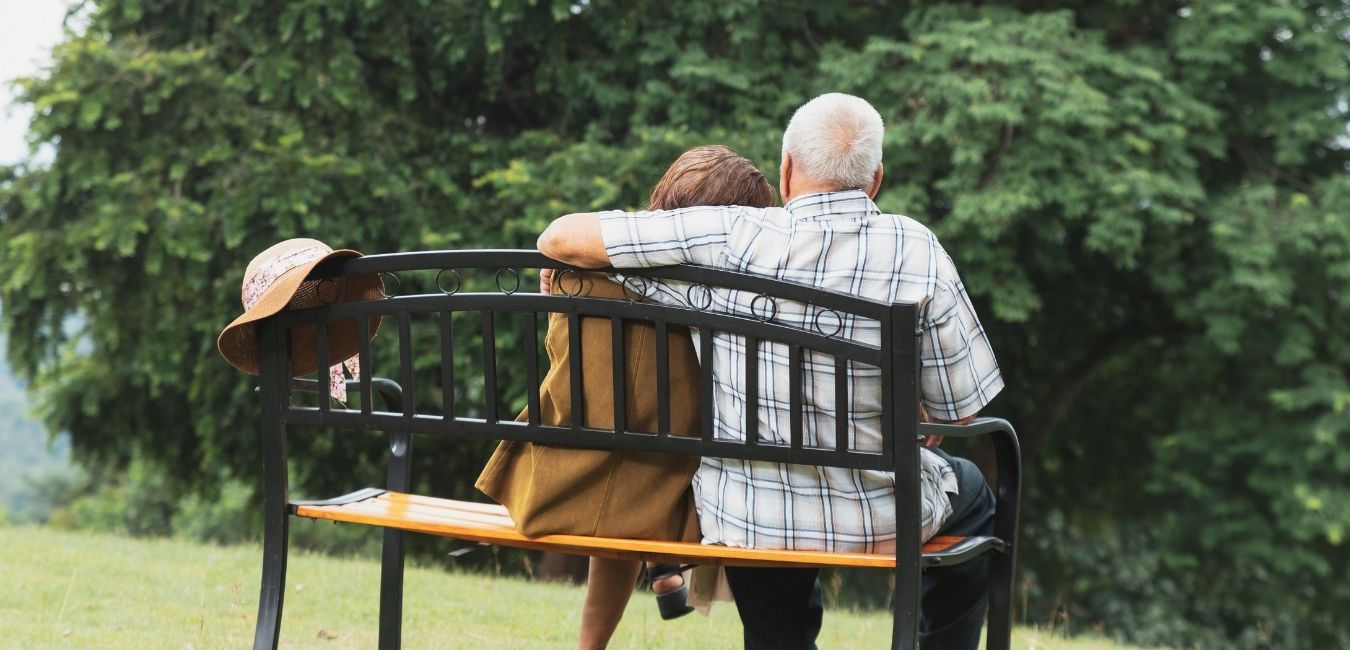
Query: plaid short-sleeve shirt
column 839, row 241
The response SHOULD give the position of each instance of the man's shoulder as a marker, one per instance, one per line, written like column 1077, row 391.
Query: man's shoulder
column 907, row 225
column 770, row 215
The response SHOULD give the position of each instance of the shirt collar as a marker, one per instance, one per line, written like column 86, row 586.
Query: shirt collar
column 829, row 203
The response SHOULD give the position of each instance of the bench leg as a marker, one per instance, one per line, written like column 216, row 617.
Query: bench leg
column 999, row 635
column 391, row 590
column 391, row 558
column 275, row 536
column 905, row 604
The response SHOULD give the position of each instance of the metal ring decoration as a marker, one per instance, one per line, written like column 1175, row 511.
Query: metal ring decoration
column 514, row 273
column 641, row 293
column 385, row 278
column 773, row 308
column 707, row 294
column 440, row 281
column 562, row 288
column 838, row 322
column 327, row 283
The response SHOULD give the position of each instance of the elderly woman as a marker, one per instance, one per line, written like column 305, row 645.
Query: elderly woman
column 555, row 490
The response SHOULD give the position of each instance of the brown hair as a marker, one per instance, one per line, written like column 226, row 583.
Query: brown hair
column 711, row 175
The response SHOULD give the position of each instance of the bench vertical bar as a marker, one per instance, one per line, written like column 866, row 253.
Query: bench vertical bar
column 272, row 357
column 843, row 409
column 489, row 367
column 662, row 379
column 705, row 382
column 899, row 420
column 367, row 366
column 447, row 365
column 574, row 377
column 399, row 479
column 321, row 366
column 751, row 390
column 620, row 382
column 795, row 396
column 531, row 324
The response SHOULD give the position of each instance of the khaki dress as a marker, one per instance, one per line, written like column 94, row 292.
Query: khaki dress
column 567, row 490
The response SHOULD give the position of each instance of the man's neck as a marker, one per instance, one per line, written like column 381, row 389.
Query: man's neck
column 802, row 188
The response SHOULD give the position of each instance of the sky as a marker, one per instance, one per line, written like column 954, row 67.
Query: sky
column 28, row 30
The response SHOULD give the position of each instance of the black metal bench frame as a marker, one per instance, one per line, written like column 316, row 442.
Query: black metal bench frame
column 896, row 357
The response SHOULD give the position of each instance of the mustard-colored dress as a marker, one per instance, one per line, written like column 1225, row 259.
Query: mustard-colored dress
column 568, row 490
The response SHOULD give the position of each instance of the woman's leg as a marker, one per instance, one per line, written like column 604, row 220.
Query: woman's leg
column 666, row 584
column 609, row 584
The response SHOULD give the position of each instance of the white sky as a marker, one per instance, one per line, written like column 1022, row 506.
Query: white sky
column 28, row 30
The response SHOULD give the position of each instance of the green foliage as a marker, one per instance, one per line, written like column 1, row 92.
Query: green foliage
column 1147, row 201
column 136, row 503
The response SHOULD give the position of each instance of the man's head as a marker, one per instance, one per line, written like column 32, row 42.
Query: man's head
column 833, row 142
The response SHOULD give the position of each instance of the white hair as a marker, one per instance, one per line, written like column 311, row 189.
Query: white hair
column 835, row 138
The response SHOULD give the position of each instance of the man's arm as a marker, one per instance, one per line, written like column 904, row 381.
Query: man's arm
column 936, row 441
column 575, row 239
column 959, row 374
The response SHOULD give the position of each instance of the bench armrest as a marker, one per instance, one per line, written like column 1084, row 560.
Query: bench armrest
column 387, row 389
column 1008, row 455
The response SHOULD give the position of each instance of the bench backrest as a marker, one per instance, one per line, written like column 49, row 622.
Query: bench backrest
column 443, row 275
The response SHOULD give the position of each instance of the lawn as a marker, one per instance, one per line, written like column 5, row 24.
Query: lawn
column 75, row 590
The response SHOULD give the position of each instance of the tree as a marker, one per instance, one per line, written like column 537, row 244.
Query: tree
column 1147, row 199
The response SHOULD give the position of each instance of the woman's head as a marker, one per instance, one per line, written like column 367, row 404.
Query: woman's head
column 711, row 175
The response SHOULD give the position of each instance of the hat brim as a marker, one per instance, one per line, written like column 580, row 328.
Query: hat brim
column 238, row 342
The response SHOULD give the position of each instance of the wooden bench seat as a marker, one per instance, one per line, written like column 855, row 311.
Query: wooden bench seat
column 491, row 524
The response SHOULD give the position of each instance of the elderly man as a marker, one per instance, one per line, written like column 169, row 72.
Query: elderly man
column 828, row 234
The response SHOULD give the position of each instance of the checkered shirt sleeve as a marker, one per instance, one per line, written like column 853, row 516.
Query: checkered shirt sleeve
column 959, row 374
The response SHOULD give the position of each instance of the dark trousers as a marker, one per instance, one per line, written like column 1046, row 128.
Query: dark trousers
column 782, row 608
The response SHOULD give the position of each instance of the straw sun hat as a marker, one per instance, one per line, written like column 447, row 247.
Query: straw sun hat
column 278, row 279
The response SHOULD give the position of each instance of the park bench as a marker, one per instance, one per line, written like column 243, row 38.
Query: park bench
column 442, row 275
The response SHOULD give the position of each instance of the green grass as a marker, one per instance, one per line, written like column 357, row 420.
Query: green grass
column 75, row 590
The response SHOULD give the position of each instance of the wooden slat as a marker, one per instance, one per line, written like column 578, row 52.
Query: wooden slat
column 942, row 543
column 490, row 523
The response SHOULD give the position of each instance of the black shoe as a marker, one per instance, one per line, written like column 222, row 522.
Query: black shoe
column 674, row 603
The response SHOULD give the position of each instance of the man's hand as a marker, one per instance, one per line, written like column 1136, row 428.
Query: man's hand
column 576, row 240
column 928, row 441
column 936, row 441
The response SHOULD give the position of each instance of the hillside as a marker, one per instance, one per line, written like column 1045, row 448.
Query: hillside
column 26, row 451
